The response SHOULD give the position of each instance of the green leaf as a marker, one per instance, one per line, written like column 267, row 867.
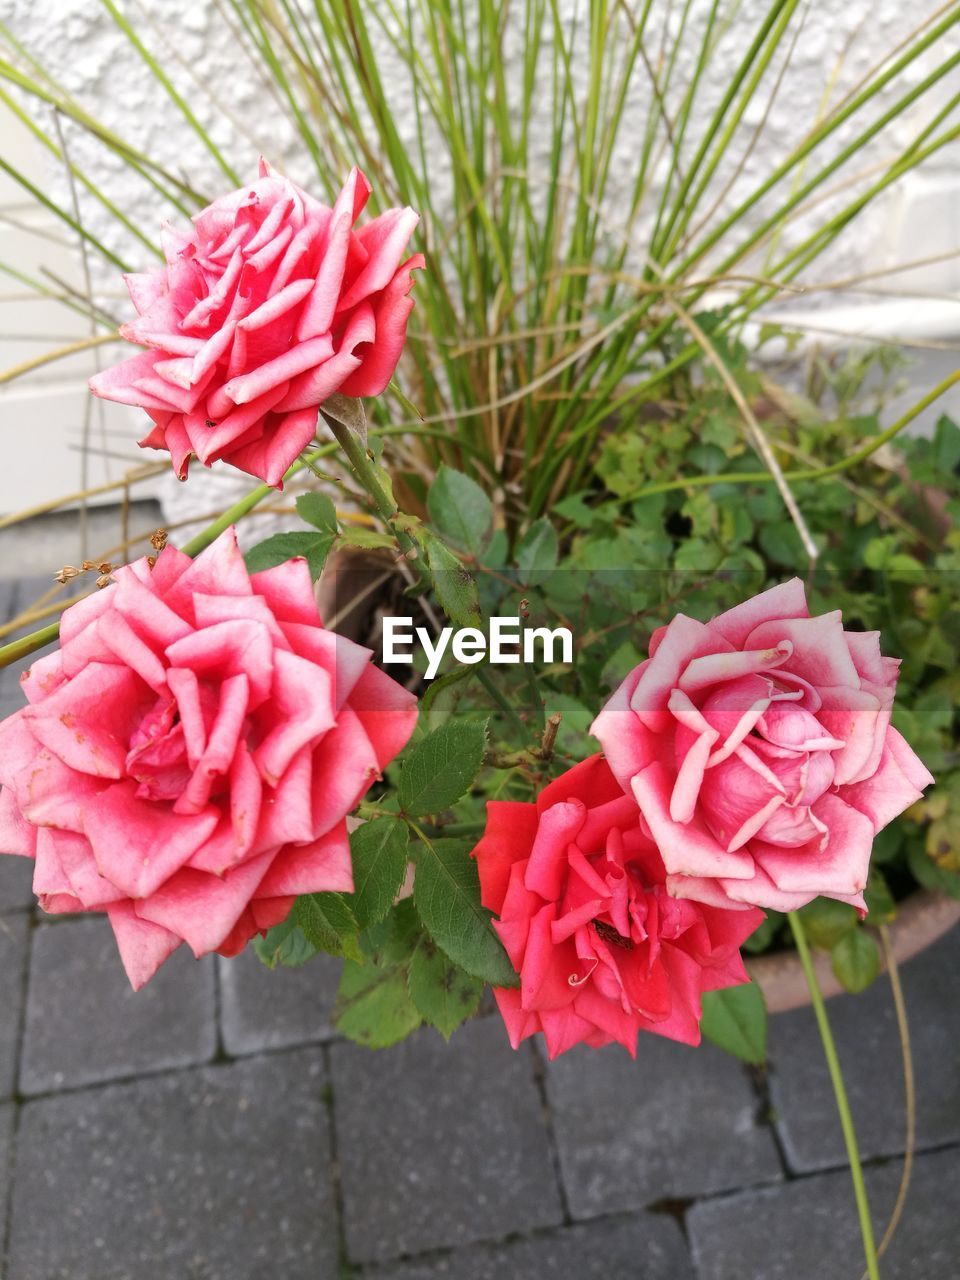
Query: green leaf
column 314, row 547
column 367, row 539
column 329, row 924
column 318, row 510
column 460, row 509
column 374, row 1006
column 781, row 544
column 443, row 993
column 880, row 903
column 537, row 551
column 441, row 767
column 446, row 893
column 825, row 921
column 442, row 695
column 378, row 850
column 855, row 960
column 926, row 872
column 736, row 1020
column 455, row 586
column 284, row 944
column 394, row 940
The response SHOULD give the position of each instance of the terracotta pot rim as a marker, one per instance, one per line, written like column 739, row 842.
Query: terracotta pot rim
column 921, row 919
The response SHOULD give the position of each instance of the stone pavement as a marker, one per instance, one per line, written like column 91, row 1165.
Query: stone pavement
column 214, row 1127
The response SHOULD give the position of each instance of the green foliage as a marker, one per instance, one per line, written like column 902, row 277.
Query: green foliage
column 826, row 921
column 529, row 242
column 378, row 850
column 455, row 586
column 537, row 551
column 318, row 510
column 284, row 944
column 280, row 547
column 314, row 545
column 328, row 923
column 373, row 1005
column 736, row 1020
column 460, row 509
column 441, row 768
column 447, row 896
column 443, row 993
column 855, row 960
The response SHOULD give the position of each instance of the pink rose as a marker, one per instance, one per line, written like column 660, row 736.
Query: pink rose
column 268, row 305
column 189, row 754
column 760, row 750
column 602, row 949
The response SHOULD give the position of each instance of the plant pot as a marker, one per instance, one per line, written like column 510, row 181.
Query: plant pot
column 921, row 919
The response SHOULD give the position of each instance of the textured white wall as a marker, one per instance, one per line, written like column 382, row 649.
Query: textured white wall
column 839, row 41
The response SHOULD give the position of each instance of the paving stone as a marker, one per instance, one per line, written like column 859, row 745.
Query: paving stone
column 809, row 1227
column 646, row 1247
column 868, row 1043
column 677, row 1123
column 16, row 882
column 440, row 1145
column 220, row 1173
column 14, row 942
column 84, row 1022
column 273, row 1009
column 6, row 1147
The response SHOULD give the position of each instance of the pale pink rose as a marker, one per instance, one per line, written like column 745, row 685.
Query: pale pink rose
column 267, row 306
column 602, row 950
column 189, row 754
column 760, row 750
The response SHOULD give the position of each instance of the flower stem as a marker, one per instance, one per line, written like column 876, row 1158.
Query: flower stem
column 368, row 476
column 18, row 649
column 843, row 1106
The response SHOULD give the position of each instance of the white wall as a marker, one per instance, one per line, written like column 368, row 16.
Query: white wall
column 839, row 41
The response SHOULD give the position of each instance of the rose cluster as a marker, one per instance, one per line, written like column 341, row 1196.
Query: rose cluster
column 748, row 763
column 189, row 754
column 266, row 307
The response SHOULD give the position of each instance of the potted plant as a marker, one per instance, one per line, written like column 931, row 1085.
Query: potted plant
column 578, row 444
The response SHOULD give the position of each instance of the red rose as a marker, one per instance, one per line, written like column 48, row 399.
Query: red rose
column 270, row 304
column 602, row 949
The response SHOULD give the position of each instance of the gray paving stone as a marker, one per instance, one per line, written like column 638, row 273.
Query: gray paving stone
column 14, row 943
column 273, row 1009
column 677, row 1123
column 12, row 697
column 16, row 882
column 440, row 1145
column 6, row 1144
column 84, row 1022
column 809, row 1228
column 865, row 1029
column 8, row 590
column 646, row 1247
column 221, row 1173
